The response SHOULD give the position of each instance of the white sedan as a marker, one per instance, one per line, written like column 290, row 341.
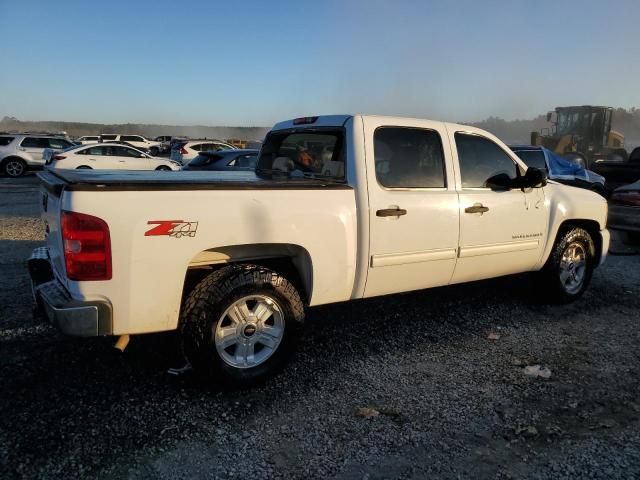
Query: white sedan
column 105, row 156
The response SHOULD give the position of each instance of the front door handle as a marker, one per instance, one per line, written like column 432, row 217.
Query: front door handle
column 476, row 208
column 391, row 212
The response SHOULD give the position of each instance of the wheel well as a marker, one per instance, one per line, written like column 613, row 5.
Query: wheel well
column 291, row 261
column 12, row 157
column 590, row 226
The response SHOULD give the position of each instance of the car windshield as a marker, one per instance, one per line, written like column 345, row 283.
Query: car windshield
column 533, row 158
column 303, row 153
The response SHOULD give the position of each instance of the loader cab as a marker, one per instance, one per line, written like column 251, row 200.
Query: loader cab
column 592, row 124
column 582, row 134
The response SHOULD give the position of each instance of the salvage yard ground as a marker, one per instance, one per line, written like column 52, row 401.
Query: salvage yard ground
column 426, row 384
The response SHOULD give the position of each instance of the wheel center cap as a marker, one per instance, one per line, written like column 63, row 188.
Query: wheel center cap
column 249, row 330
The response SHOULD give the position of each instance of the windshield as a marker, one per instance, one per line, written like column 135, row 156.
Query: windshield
column 303, row 153
column 568, row 122
column 533, row 158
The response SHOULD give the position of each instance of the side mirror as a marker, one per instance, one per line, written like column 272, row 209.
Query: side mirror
column 143, row 155
column 548, row 116
column 533, row 178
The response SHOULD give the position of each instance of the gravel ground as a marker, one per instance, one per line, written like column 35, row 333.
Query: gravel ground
column 440, row 374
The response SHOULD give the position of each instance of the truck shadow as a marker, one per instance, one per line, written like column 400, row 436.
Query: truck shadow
column 91, row 399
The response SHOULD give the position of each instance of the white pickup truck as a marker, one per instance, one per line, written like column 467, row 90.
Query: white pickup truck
column 340, row 208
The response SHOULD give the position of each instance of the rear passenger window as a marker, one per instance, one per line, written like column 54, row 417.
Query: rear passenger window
column 96, row 151
column 125, row 152
column 4, row 141
column 480, row 159
column 408, row 158
column 35, row 142
column 211, row 147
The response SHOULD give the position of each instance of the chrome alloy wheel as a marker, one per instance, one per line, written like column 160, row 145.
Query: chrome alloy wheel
column 573, row 267
column 249, row 331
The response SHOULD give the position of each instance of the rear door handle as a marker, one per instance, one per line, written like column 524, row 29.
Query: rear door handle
column 476, row 208
column 391, row 212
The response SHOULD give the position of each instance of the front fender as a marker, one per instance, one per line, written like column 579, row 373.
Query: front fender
column 582, row 207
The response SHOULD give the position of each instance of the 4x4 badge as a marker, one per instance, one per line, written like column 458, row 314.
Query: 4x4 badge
column 172, row 228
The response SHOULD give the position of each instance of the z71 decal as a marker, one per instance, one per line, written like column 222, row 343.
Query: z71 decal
column 172, row 228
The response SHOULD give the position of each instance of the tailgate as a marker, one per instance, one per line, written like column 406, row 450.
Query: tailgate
column 51, row 191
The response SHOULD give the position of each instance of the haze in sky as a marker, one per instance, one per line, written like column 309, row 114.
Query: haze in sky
column 256, row 62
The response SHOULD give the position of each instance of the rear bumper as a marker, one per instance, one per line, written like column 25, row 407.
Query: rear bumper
column 624, row 218
column 74, row 317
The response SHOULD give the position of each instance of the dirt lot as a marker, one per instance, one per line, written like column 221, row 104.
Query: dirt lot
column 451, row 402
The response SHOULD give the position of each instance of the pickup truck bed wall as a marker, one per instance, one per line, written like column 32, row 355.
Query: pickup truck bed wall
column 149, row 272
column 341, row 244
column 79, row 180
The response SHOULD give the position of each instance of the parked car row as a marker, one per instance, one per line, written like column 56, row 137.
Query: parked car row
column 22, row 152
column 113, row 156
column 28, row 151
column 137, row 141
column 106, row 156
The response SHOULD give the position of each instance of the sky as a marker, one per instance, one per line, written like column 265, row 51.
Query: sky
column 252, row 63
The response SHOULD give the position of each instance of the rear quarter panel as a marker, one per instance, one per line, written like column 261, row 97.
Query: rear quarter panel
column 149, row 271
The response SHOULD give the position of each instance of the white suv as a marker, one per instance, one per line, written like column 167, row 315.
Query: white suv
column 21, row 152
column 187, row 150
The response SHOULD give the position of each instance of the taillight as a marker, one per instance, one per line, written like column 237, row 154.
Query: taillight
column 59, row 157
column 183, row 150
column 631, row 199
column 87, row 247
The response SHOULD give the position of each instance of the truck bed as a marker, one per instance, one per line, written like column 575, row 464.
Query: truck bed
column 87, row 180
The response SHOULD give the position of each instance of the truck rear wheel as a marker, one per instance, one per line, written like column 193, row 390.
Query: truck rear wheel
column 241, row 323
column 569, row 268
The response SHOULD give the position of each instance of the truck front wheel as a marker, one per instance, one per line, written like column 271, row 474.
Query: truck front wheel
column 568, row 270
column 241, row 323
